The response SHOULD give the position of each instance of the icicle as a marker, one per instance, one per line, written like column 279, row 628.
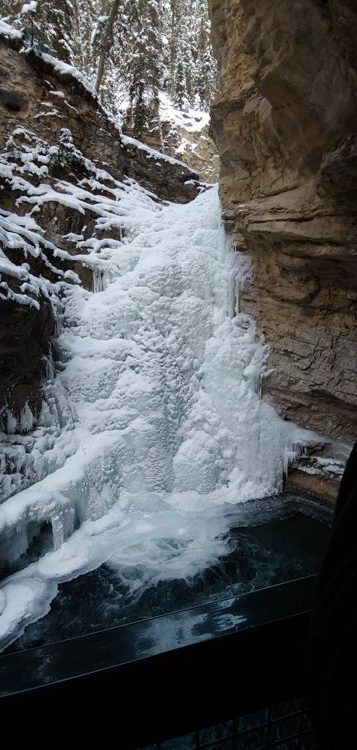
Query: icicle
column 99, row 280
column 27, row 419
column 11, row 423
column 50, row 369
column 232, row 301
column 62, row 520
column 58, row 326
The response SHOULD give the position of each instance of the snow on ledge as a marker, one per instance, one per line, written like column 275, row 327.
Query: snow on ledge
column 128, row 141
column 9, row 31
column 64, row 69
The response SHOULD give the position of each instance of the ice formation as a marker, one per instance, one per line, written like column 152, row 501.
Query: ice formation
column 153, row 424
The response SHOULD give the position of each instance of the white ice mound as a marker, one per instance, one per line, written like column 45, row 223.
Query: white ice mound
column 162, row 380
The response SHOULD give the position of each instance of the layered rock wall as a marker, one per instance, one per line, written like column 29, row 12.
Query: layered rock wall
column 285, row 125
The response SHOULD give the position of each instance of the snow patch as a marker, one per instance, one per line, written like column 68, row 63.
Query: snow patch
column 9, row 31
column 128, row 141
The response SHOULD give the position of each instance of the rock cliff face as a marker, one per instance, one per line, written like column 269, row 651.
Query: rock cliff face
column 284, row 122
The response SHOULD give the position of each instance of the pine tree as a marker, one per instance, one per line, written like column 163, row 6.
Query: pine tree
column 48, row 25
column 180, row 87
column 107, row 43
column 145, row 65
column 175, row 18
column 205, row 66
column 155, row 45
column 129, row 50
column 91, row 19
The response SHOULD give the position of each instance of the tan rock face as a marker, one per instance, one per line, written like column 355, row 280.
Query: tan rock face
column 285, row 125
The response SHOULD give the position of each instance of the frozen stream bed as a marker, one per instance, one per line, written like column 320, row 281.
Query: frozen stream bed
column 153, row 432
column 269, row 541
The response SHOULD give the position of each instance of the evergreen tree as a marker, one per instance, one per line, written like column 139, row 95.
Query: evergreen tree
column 144, row 64
column 48, row 25
column 175, row 18
column 156, row 45
column 107, row 43
column 205, row 67
column 129, row 50
column 180, row 88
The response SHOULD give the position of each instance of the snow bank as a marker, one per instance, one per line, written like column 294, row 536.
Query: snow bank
column 190, row 119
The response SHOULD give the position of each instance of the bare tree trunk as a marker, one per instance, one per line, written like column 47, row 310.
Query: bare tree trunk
column 173, row 45
column 107, row 43
column 78, row 47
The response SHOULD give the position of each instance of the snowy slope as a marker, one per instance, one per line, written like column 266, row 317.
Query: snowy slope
column 184, row 135
column 159, row 427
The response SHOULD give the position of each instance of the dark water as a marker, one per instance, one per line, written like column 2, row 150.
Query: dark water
column 268, row 544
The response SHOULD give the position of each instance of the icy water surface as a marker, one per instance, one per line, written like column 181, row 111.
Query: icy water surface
column 270, row 541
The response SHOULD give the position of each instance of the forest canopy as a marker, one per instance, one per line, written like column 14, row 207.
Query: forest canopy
column 128, row 50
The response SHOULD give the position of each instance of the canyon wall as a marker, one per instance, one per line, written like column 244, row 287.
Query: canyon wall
column 285, row 123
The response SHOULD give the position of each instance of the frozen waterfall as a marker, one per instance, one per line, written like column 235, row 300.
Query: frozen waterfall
column 155, row 416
